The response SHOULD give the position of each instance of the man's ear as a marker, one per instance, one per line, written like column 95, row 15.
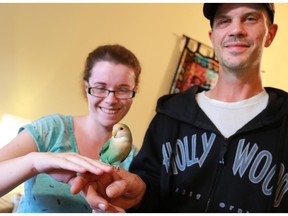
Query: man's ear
column 271, row 34
column 210, row 34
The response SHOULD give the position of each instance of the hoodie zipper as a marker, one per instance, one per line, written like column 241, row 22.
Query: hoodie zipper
column 221, row 163
column 223, row 152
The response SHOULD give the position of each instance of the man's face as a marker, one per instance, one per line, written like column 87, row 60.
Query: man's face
column 239, row 34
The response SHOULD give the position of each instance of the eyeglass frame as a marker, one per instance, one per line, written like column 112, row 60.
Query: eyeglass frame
column 89, row 89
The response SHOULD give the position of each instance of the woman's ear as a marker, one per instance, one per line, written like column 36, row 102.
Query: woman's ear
column 271, row 34
column 85, row 85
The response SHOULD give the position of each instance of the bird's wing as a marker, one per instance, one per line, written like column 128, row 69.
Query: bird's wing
column 105, row 147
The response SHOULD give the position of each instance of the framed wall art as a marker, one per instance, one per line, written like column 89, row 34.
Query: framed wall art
column 197, row 66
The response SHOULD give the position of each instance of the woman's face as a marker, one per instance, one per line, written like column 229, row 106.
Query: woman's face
column 109, row 110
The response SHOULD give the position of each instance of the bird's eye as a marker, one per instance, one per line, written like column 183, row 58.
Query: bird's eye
column 121, row 128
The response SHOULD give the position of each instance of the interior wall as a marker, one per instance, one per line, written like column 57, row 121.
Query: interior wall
column 43, row 48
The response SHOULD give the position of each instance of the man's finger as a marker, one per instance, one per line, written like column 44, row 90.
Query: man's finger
column 77, row 184
column 116, row 189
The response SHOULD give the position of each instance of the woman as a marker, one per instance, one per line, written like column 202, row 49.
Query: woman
column 62, row 146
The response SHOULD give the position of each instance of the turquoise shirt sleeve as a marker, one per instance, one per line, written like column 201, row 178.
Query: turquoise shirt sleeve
column 42, row 194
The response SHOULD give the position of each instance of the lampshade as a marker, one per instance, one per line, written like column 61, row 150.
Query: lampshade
column 9, row 127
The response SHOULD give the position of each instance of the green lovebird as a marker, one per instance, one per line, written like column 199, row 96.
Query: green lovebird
column 117, row 148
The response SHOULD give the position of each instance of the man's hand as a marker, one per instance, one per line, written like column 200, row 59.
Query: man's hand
column 110, row 192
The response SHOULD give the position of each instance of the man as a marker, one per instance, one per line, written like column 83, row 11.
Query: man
column 223, row 150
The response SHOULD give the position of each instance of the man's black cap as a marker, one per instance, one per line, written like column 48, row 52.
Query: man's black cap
column 209, row 10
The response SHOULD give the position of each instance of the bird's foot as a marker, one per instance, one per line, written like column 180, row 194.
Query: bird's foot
column 116, row 168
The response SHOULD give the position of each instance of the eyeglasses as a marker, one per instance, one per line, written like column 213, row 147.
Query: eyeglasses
column 102, row 93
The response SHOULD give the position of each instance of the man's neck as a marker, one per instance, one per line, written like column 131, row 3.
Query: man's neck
column 231, row 88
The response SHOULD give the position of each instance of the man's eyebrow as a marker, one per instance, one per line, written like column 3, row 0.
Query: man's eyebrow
column 249, row 13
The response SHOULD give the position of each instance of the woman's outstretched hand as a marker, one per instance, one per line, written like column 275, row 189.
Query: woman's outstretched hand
column 65, row 166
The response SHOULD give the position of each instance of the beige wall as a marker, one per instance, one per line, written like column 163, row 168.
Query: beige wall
column 43, row 48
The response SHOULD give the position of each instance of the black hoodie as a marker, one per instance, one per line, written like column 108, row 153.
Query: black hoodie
column 189, row 166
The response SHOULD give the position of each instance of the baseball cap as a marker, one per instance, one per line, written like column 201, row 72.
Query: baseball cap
column 209, row 10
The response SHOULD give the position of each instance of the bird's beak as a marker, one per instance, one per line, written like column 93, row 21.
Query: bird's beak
column 114, row 132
